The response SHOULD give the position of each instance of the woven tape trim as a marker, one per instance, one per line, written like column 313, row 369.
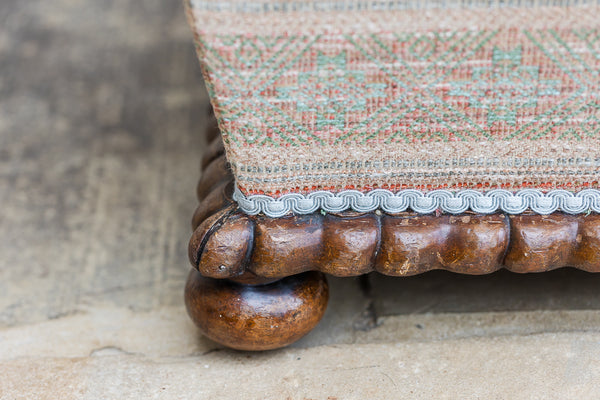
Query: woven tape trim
column 424, row 203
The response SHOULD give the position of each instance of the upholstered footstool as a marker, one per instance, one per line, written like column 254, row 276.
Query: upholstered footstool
column 391, row 136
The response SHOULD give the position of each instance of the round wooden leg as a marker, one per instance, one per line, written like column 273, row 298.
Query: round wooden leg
column 260, row 317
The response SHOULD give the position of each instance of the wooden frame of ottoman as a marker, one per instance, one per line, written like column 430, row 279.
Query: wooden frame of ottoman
column 259, row 282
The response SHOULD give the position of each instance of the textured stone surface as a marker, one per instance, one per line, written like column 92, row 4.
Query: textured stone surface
column 100, row 110
column 527, row 367
column 99, row 138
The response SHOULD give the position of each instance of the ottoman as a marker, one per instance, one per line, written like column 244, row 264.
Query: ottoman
column 391, row 136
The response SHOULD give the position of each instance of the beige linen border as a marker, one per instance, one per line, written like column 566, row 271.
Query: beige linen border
column 511, row 163
column 277, row 23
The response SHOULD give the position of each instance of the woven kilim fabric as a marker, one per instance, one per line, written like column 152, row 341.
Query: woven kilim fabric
column 427, row 95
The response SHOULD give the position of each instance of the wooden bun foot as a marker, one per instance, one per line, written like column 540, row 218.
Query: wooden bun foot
column 260, row 317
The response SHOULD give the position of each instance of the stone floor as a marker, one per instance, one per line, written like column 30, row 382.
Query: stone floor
column 101, row 105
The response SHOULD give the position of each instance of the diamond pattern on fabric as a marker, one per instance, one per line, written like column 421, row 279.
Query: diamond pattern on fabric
column 469, row 97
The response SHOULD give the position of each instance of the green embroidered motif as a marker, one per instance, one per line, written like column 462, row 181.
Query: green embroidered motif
column 423, row 48
column 591, row 128
column 330, row 91
column 404, row 87
column 505, row 87
column 248, row 52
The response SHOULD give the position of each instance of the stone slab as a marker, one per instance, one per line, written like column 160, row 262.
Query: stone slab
column 101, row 108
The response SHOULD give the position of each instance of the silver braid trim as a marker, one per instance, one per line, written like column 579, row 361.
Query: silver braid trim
column 585, row 201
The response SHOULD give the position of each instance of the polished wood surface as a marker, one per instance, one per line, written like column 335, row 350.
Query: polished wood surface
column 546, row 242
column 259, row 317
